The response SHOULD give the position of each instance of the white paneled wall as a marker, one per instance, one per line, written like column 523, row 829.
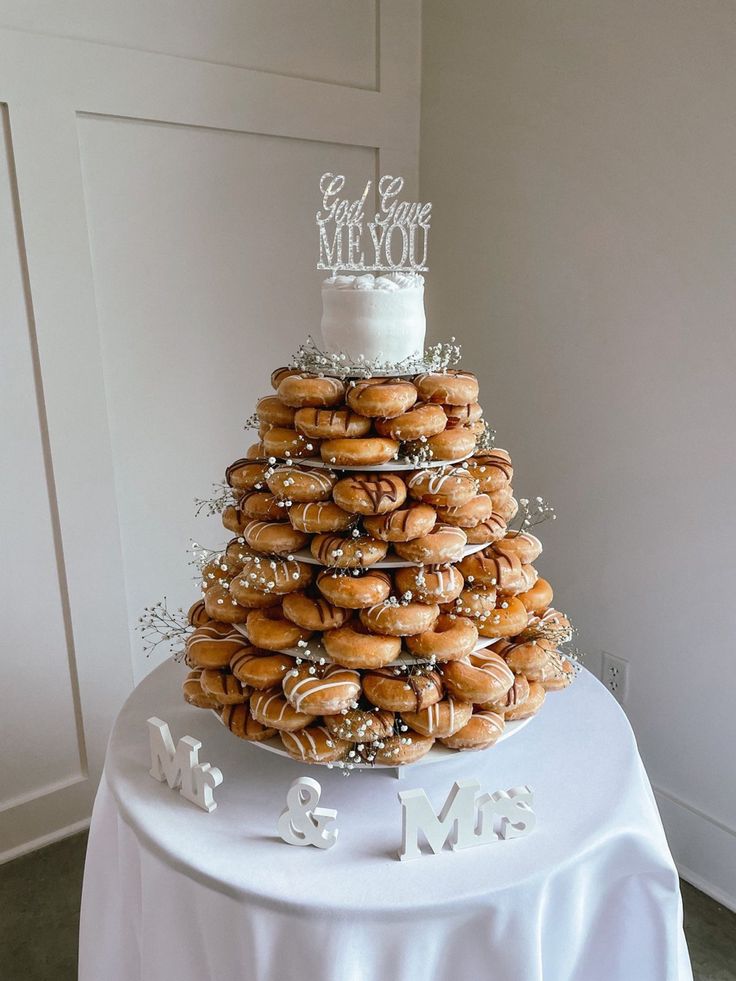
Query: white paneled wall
column 158, row 179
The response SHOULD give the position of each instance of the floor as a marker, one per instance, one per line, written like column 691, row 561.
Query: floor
column 39, row 899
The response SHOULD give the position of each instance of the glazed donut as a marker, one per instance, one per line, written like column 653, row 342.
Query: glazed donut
column 352, row 646
column 514, row 697
column 293, row 483
column 261, row 505
column 477, row 509
column 278, row 375
column 383, row 398
column 221, row 605
column 477, row 602
column 452, row 444
column 398, row 691
column 287, row 443
column 441, row 719
column 277, row 538
column 450, row 387
column 313, row 613
column 538, row 598
column 530, row 706
column 529, row 657
column 444, row 543
column 237, row 552
column 402, row 750
column 275, row 575
column 507, row 508
column 197, row 615
column 366, row 452
column 354, row 592
column 317, row 517
column 212, row 645
column 481, row 731
column 240, row 721
column 326, row 694
column 224, row 687
column 252, row 597
column 422, row 420
column 479, row 679
column 331, row 423
column 244, row 475
column 260, row 670
column 311, row 391
column 552, row 624
column 507, row 620
column 557, row 674
column 449, row 639
column 492, row 469
column 487, row 568
column 233, row 519
column 394, row 619
column 428, row 584
column 220, row 569
column 271, row 709
column 347, row 552
column 412, row 521
column 463, row 415
column 371, row 494
column 273, row 412
column 270, row 630
column 443, row 486
column 256, row 451
column 527, row 548
column 361, row 725
column 193, row 693
column 487, row 531
column 315, row 744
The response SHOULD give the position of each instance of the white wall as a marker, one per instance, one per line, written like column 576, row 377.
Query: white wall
column 158, row 174
column 580, row 154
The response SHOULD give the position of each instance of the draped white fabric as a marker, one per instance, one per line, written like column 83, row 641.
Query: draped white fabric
column 171, row 892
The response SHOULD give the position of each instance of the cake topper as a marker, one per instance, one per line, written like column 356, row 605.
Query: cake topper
column 398, row 235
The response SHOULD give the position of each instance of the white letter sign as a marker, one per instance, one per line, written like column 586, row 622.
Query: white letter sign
column 180, row 767
column 302, row 822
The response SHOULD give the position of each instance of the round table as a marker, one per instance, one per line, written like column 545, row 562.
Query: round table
column 172, row 892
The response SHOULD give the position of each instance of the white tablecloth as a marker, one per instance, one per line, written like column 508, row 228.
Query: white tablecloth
column 171, row 892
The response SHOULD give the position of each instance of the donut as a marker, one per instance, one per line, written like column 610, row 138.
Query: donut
column 197, row 615
column 442, row 487
column 371, row 494
column 477, row 602
column 507, row 508
column 220, row 569
column 278, row 375
column 428, row 584
column 213, row 644
column 347, row 552
column 402, row 750
column 273, row 412
column 361, row 725
column 529, row 657
column 530, row 706
column 193, row 693
column 272, row 574
column 514, row 697
column 487, row 531
column 233, row 519
column 452, row 444
column 552, row 624
column 262, row 505
column 240, row 721
column 314, row 744
column 224, row 687
column 270, row 630
column 352, row 646
column 260, row 670
column 507, row 620
column 492, row 661
column 488, row 568
column 421, row 420
column 450, row 387
column 313, row 613
column 383, row 398
column 441, row 719
column 323, row 693
column 557, row 674
column 366, row 452
column 527, row 548
column 293, row 483
column 221, row 605
column 398, row 691
column 331, row 423
column 462, row 415
column 444, row 543
column 538, row 598
column 252, row 597
column 492, row 469
column 412, row 521
column 316, row 517
column 476, row 510
column 271, row 709
column 485, row 680
column 288, row 443
column 244, row 475
column 482, row 730
column 394, row 619
column 311, row 391
column 277, row 538
column 449, row 639
column 255, row 451
column 354, row 592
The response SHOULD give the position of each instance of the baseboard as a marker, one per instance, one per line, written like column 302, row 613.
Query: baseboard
column 49, row 839
column 704, row 848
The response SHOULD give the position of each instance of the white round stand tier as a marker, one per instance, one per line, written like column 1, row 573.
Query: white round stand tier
column 304, row 555
column 317, row 463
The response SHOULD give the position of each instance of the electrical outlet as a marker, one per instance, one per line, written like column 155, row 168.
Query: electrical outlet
column 615, row 675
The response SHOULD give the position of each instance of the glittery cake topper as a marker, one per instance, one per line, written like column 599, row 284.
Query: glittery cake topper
column 398, row 235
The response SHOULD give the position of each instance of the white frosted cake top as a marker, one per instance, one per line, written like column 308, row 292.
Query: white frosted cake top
column 391, row 282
